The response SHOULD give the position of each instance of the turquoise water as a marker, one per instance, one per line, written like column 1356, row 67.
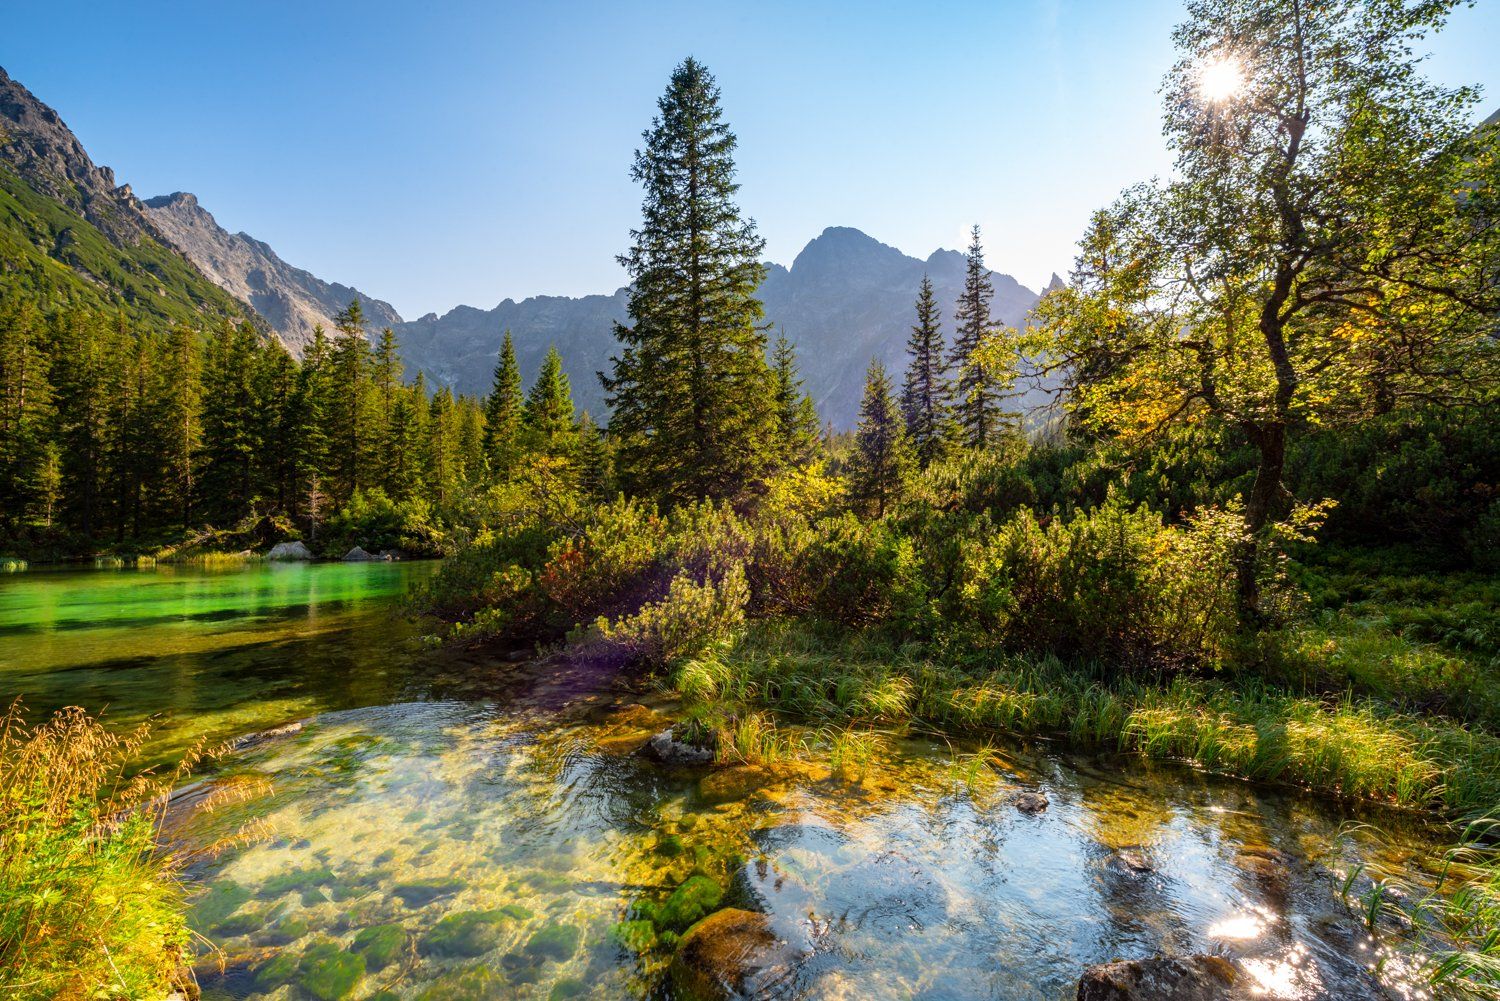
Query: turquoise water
column 208, row 653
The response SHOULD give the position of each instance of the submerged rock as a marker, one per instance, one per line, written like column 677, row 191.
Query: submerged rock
column 289, row 551
column 729, row 785
column 730, row 954
column 467, row 933
column 381, row 945
column 1189, row 978
column 666, row 749
column 1219, row 978
column 1030, row 802
column 420, row 892
column 329, row 973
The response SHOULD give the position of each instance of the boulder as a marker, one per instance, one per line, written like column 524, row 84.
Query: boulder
column 668, row 750
column 730, row 954
column 289, row 551
column 1029, row 802
column 357, row 555
column 1316, row 977
column 1188, row 978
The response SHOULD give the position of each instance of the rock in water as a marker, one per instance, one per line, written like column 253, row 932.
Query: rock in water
column 730, row 954
column 1218, row 978
column 1190, row 978
column 667, row 749
column 357, row 555
column 1030, row 802
column 289, row 551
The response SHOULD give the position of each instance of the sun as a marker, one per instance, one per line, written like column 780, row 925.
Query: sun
column 1221, row 79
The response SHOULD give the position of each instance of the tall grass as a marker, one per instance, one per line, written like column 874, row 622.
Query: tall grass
column 1454, row 916
column 1344, row 745
column 91, row 904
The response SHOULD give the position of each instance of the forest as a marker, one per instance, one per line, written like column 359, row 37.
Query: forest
column 1258, row 528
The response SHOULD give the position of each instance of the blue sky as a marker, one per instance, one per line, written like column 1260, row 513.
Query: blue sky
column 466, row 152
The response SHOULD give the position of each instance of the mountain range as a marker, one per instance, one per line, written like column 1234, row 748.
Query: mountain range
column 845, row 299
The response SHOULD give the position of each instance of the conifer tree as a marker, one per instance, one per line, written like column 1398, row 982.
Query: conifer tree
column 349, row 430
column 882, row 455
column 502, row 411
column 230, row 423
column 690, row 390
column 81, row 369
column 925, row 394
column 385, row 380
column 595, row 475
column 977, row 401
column 26, row 415
column 548, row 414
column 796, row 418
column 442, row 461
column 180, row 391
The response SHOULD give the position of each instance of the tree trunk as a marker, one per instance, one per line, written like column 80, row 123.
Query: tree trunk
column 1260, row 508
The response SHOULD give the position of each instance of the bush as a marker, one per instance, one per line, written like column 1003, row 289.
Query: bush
column 863, row 574
column 374, row 522
column 691, row 617
column 1112, row 584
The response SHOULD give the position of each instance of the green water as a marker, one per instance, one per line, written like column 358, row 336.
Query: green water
column 471, row 828
column 208, row 654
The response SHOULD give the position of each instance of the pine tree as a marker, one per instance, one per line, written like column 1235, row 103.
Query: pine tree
column 977, row 402
column 230, row 424
column 441, row 465
column 180, row 392
column 349, row 429
column 82, row 377
column 548, row 414
column 385, row 378
column 795, row 415
column 26, row 416
column 925, row 394
column 882, row 455
column 691, row 390
column 502, row 411
column 595, row 475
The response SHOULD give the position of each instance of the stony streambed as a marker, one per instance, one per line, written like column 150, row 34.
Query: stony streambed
column 460, row 850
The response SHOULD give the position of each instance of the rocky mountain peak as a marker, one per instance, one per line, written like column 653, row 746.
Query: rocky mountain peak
column 292, row 300
column 38, row 145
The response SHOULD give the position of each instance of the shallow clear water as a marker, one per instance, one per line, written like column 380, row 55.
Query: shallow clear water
column 463, row 828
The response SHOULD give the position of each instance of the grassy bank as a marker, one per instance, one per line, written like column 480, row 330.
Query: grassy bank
column 90, row 902
column 1344, row 744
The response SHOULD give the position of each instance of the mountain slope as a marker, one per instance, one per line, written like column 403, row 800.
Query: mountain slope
column 292, row 300
column 70, row 237
column 845, row 299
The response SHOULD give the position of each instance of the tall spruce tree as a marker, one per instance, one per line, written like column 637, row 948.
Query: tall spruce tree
column 349, row 430
column 977, row 401
column 796, row 418
column 882, row 455
column 690, row 390
column 502, row 411
column 26, row 415
column 180, row 392
column 548, row 414
column 925, row 396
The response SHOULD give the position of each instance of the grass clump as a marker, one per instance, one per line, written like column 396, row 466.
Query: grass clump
column 89, row 902
column 91, row 899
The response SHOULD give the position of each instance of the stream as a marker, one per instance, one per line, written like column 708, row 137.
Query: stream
column 460, row 825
